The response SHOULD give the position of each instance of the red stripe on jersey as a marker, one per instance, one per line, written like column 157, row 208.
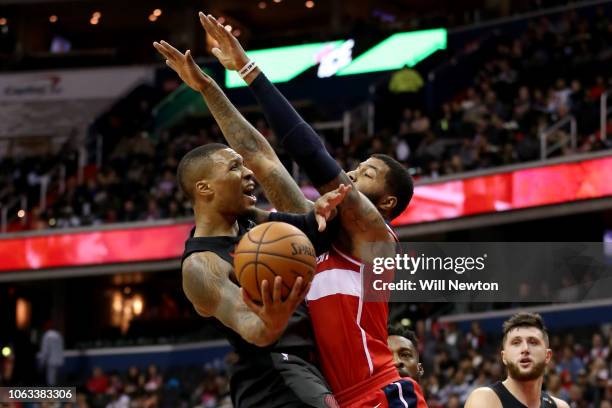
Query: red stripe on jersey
column 351, row 334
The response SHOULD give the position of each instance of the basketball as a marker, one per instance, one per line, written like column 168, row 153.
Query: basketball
column 273, row 249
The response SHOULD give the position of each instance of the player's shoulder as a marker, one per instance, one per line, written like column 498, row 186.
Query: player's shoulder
column 483, row 397
column 392, row 233
column 205, row 262
column 416, row 388
column 559, row 402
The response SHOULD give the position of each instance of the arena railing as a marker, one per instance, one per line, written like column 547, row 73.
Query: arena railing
column 555, row 129
column 557, row 316
column 604, row 113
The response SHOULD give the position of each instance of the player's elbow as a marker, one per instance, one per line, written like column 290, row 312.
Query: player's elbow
column 260, row 339
column 263, row 342
column 201, row 311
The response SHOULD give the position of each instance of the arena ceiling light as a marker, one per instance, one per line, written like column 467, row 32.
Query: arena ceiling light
column 336, row 58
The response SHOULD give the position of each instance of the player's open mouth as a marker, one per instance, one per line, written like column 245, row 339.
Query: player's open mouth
column 525, row 361
column 248, row 192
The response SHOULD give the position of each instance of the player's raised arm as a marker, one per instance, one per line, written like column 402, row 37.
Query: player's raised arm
column 360, row 218
column 297, row 137
column 280, row 188
column 207, row 285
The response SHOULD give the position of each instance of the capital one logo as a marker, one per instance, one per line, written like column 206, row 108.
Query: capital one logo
column 331, row 59
column 43, row 86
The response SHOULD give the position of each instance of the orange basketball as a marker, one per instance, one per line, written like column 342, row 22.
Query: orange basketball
column 273, row 249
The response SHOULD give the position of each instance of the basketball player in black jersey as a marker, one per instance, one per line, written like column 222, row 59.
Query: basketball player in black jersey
column 525, row 354
column 274, row 340
column 361, row 217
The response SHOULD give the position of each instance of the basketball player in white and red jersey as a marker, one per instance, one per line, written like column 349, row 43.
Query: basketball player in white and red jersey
column 351, row 334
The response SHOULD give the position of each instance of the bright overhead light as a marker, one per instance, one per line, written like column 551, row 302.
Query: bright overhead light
column 152, row 18
column 53, row 19
column 3, row 21
column 97, row 14
column 157, row 12
column 21, row 213
column 262, row 5
column 6, row 351
column 309, row 4
column 93, row 21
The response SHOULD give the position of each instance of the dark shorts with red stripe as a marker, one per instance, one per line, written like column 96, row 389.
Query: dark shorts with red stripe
column 405, row 393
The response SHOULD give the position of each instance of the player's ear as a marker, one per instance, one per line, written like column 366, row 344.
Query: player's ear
column 503, row 357
column 203, row 188
column 387, row 203
column 549, row 354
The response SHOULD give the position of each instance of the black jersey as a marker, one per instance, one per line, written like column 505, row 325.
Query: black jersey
column 509, row 401
column 281, row 375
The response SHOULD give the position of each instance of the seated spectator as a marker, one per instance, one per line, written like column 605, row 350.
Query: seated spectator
column 98, row 383
column 154, row 379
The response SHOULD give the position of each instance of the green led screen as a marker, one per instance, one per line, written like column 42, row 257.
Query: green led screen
column 281, row 64
column 397, row 51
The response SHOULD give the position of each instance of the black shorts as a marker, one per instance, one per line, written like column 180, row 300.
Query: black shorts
column 278, row 380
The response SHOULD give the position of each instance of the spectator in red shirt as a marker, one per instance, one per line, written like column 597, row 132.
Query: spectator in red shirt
column 98, row 383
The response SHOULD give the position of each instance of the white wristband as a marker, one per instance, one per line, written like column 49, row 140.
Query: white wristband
column 247, row 69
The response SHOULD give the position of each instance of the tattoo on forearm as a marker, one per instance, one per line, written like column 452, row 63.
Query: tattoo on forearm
column 283, row 192
column 358, row 215
column 240, row 134
column 280, row 188
column 206, row 284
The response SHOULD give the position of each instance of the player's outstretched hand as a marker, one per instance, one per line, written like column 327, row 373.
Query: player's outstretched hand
column 274, row 311
column 184, row 66
column 229, row 52
column 326, row 206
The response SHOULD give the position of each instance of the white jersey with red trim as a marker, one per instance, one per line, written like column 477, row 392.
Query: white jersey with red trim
column 351, row 334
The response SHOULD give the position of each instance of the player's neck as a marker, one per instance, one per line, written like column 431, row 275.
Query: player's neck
column 213, row 224
column 527, row 392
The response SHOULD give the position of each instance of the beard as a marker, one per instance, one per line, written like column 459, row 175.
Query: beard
column 373, row 197
column 536, row 371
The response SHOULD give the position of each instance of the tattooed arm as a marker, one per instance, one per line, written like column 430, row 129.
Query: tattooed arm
column 208, row 287
column 361, row 221
column 280, row 188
